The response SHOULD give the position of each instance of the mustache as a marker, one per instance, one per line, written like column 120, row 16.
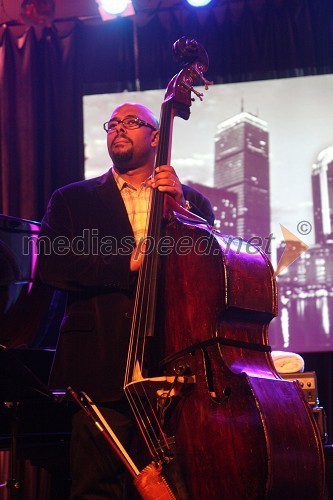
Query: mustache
column 121, row 136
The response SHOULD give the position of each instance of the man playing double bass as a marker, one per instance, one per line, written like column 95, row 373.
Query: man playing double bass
column 108, row 216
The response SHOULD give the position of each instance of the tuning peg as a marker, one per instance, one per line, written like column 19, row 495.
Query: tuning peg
column 203, row 79
column 191, row 89
column 198, row 94
column 206, row 82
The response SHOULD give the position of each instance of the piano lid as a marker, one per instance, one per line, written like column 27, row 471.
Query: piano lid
column 17, row 249
column 25, row 302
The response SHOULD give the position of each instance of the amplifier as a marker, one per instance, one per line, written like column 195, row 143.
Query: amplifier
column 308, row 383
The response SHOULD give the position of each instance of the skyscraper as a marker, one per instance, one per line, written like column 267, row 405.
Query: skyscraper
column 322, row 192
column 242, row 167
column 224, row 207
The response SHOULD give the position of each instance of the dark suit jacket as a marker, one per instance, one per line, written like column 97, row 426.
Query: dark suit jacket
column 90, row 218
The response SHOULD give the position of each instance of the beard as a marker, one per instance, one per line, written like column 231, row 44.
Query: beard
column 121, row 156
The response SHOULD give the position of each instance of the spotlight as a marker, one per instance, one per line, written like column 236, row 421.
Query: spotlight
column 114, row 6
column 110, row 8
column 198, row 3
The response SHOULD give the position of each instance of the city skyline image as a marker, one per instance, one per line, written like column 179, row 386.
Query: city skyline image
column 296, row 111
column 252, row 149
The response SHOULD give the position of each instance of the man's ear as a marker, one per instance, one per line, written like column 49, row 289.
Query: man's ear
column 155, row 138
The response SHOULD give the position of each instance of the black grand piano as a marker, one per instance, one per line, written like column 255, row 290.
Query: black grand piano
column 34, row 423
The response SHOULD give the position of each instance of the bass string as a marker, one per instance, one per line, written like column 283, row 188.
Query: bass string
column 143, row 416
column 139, row 325
column 141, row 422
column 145, row 300
column 145, row 295
column 146, row 417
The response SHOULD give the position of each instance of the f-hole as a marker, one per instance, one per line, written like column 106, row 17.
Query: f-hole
column 210, row 382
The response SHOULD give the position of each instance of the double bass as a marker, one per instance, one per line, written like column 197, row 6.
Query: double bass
column 216, row 407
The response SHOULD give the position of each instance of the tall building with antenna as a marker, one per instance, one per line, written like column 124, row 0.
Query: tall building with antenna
column 322, row 192
column 242, row 167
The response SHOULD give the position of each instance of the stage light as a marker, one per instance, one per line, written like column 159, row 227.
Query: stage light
column 198, row 3
column 114, row 7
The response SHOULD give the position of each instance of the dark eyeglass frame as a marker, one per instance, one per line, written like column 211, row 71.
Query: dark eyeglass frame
column 137, row 124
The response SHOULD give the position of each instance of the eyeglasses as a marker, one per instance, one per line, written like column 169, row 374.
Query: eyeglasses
column 129, row 123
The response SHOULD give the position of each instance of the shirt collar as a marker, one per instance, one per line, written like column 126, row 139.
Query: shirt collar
column 119, row 180
column 121, row 183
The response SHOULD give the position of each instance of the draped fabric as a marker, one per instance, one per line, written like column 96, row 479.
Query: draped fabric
column 245, row 39
column 40, row 118
column 107, row 54
column 41, row 112
column 36, row 483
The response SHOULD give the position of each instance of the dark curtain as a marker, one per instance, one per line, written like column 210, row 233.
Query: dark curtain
column 107, row 53
column 40, row 117
column 245, row 39
column 42, row 81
